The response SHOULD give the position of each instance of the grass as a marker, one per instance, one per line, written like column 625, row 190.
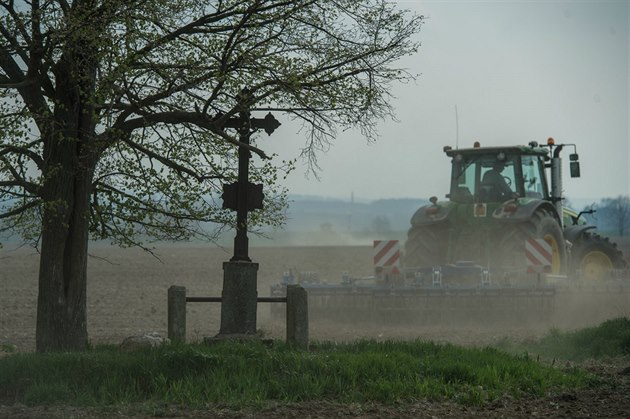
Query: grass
column 239, row 375
column 5, row 347
column 608, row 340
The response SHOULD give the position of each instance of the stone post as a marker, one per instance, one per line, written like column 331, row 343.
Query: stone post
column 297, row 316
column 239, row 298
column 177, row 314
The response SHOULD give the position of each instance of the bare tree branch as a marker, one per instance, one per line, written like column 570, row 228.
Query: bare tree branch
column 20, row 210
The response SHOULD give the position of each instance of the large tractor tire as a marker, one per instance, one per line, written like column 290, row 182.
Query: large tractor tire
column 542, row 225
column 426, row 246
column 594, row 257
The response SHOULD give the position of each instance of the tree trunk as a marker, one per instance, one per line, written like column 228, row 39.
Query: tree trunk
column 68, row 172
column 61, row 303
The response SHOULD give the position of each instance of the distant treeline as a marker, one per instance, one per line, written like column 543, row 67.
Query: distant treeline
column 612, row 215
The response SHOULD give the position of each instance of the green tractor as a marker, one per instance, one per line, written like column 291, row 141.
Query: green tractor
column 500, row 249
column 500, row 201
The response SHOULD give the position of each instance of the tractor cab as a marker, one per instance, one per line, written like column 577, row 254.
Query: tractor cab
column 497, row 174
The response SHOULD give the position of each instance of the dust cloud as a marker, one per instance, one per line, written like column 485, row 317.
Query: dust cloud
column 319, row 238
column 127, row 291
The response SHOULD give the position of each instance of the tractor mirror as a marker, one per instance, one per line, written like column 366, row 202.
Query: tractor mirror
column 574, row 168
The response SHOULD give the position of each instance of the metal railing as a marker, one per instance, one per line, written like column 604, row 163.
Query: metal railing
column 296, row 309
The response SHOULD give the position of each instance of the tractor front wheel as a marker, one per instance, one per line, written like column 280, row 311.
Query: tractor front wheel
column 594, row 257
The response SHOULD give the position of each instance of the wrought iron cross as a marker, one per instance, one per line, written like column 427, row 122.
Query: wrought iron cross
column 243, row 196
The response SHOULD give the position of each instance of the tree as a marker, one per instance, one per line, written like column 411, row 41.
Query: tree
column 113, row 114
column 616, row 211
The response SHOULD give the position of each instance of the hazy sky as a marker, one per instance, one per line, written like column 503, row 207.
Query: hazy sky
column 518, row 71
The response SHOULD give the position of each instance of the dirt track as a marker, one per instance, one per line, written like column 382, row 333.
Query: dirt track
column 127, row 296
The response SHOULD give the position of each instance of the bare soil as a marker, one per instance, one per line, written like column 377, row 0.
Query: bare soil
column 127, row 293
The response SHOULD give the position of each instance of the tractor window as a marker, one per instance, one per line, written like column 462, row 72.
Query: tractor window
column 479, row 178
column 497, row 177
column 533, row 177
column 497, row 180
column 463, row 181
column 507, row 172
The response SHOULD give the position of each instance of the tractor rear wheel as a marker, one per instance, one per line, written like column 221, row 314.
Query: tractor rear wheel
column 594, row 257
column 542, row 225
column 426, row 246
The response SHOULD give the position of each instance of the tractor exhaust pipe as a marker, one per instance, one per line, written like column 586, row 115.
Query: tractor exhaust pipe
column 556, row 182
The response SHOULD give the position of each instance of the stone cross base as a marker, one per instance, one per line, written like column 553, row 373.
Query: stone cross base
column 239, row 298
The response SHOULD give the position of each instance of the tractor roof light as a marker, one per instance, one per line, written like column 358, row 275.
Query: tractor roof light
column 476, row 144
column 551, row 141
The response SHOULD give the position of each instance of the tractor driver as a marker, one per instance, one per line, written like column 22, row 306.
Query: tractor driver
column 494, row 179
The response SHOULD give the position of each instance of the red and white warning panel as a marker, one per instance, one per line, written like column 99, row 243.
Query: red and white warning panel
column 538, row 253
column 386, row 254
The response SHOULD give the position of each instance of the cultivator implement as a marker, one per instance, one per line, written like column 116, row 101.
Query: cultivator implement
column 461, row 292
column 547, row 299
column 532, row 257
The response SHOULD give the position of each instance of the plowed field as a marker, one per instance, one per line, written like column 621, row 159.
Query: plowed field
column 127, row 294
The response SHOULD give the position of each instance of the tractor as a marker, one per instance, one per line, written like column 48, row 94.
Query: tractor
column 499, row 199
column 501, row 246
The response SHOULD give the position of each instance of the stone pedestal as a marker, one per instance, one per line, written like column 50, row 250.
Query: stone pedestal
column 239, row 298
